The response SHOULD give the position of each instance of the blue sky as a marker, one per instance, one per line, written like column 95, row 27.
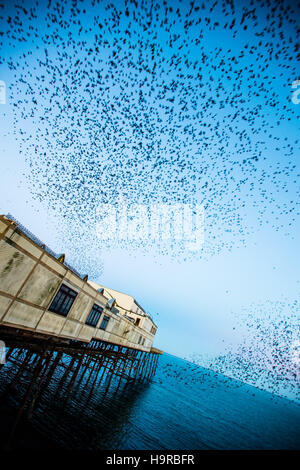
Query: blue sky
column 89, row 119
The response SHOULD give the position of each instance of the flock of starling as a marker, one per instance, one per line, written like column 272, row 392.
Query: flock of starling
column 157, row 102
column 268, row 356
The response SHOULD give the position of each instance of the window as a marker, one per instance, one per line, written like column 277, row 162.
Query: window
column 153, row 330
column 143, row 342
column 140, row 339
column 137, row 321
column 104, row 323
column 94, row 315
column 63, row 300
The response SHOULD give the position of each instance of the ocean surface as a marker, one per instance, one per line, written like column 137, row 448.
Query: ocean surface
column 183, row 407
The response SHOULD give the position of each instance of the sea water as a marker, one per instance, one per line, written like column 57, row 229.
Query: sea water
column 183, row 407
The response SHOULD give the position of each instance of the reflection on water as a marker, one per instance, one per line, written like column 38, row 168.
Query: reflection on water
column 183, row 407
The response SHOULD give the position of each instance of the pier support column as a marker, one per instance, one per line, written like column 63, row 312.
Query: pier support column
column 35, row 376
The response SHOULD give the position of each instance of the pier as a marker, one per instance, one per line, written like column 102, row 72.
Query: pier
column 55, row 322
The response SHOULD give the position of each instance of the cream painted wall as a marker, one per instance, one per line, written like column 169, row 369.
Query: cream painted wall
column 30, row 279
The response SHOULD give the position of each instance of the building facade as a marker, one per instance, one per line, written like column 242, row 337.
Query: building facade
column 130, row 309
column 40, row 293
